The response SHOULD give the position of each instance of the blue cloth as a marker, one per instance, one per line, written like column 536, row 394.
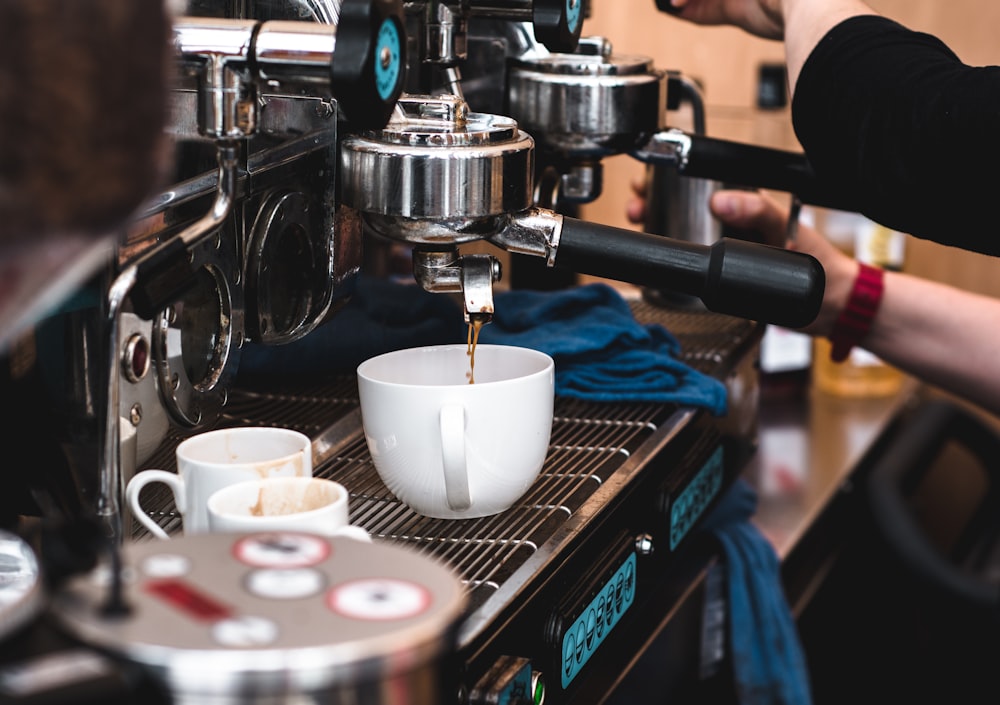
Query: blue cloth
column 769, row 666
column 383, row 315
column 601, row 352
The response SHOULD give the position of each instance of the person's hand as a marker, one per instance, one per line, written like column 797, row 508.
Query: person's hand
column 762, row 18
column 635, row 206
column 755, row 211
column 750, row 210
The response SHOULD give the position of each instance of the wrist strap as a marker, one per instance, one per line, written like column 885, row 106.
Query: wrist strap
column 855, row 320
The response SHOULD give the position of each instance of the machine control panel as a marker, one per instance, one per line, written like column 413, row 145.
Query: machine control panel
column 582, row 622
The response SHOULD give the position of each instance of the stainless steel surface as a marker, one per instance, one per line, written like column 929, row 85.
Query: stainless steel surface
column 471, row 275
column 580, row 105
column 677, row 206
column 437, row 164
column 531, row 232
column 670, row 148
column 595, row 451
column 20, row 583
column 296, row 52
column 218, row 51
column 276, row 617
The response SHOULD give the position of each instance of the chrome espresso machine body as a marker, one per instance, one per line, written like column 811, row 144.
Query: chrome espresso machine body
column 311, row 135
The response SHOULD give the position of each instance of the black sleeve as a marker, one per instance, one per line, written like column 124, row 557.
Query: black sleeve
column 894, row 120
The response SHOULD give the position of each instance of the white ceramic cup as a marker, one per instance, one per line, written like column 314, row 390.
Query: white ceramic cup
column 215, row 459
column 310, row 504
column 450, row 449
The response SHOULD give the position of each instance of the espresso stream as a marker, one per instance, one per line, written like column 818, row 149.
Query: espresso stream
column 475, row 325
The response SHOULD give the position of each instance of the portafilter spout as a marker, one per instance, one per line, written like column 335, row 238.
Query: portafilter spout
column 438, row 176
column 472, row 275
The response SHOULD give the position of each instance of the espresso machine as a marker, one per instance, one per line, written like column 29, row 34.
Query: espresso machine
column 308, row 135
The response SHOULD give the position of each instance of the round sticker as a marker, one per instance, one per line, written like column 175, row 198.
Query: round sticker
column 379, row 599
column 285, row 584
column 281, row 550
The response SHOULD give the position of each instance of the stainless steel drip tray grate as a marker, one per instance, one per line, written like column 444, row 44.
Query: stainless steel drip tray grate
column 589, row 443
column 585, row 451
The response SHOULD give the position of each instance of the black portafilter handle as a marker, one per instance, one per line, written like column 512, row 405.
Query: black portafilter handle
column 762, row 167
column 369, row 60
column 734, row 277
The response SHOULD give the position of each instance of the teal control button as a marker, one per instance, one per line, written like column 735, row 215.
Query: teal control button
column 592, row 627
column 388, row 59
column 573, row 14
column 696, row 496
column 519, row 689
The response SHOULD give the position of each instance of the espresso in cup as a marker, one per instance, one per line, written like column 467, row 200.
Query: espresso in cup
column 450, row 449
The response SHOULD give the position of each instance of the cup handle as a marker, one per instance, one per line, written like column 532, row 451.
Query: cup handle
column 456, row 475
column 140, row 480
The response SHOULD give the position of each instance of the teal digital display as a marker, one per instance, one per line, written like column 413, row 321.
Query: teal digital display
column 696, row 496
column 596, row 621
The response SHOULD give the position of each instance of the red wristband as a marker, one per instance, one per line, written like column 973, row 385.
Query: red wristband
column 855, row 320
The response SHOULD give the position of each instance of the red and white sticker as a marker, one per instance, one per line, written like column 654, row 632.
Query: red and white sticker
column 379, row 599
column 281, row 549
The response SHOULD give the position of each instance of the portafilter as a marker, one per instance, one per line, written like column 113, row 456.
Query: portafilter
column 439, row 175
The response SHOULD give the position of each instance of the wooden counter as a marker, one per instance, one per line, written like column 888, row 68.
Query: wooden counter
column 809, row 447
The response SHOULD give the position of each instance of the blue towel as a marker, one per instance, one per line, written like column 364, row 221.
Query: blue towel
column 383, row 315
column 769, row 666
column 601, row 352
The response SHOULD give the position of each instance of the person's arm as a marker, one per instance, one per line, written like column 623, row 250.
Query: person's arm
column 893, row 119
column 806, row 22
column 890, row 119
column 801, row 23
column 944, row 336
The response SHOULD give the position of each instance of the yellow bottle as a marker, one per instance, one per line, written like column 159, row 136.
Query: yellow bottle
column 862, row 374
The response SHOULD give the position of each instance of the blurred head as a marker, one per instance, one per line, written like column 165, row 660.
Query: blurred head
column 82, row 110
column 83, row 105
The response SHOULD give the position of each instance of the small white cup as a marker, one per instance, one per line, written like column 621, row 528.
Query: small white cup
column 450, row 449
column 215, row 459
column 310, row 504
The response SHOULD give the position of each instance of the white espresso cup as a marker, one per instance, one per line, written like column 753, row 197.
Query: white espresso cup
column 450, row 449
column 309, row 504
column 215, row 459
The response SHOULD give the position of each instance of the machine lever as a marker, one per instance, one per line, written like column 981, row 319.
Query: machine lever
column 734, row 277
column 742, row 164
